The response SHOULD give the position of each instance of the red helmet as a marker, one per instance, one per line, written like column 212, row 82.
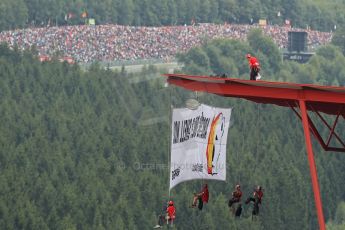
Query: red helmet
column 248, row 55
column 171, row 202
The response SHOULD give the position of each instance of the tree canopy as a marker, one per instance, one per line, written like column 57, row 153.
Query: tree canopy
column 314, row 14
column 89, row 149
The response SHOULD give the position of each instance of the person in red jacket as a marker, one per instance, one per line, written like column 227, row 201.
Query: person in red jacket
column 205, row 194
column 260, row 194
column 236, row 195
column 171, row 212
column 202, row 197
column 236, row 198
column 254, row 66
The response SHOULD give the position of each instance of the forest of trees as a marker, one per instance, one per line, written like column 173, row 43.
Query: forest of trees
column 222, row 56
column 318, row 15
column 89, row 149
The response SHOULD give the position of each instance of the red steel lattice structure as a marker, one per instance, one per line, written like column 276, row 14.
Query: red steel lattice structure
column 307, row 97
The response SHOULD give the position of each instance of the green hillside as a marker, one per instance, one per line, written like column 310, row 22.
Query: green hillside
column 89, row 149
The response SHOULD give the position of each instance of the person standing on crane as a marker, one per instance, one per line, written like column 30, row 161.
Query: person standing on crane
column 254, row 66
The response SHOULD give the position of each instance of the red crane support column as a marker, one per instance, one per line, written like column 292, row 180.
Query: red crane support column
column 312, row 166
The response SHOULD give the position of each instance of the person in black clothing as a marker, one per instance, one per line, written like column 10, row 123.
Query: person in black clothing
column 238, row 211
column 161, row 217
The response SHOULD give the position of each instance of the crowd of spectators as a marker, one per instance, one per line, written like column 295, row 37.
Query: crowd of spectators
column 85, row 43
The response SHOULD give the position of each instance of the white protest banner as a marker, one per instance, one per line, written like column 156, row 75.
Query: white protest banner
column 198, row 145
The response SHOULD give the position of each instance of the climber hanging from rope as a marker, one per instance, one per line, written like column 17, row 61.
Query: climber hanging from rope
column 161, row 219
column 171, row 211
column 256, row 199
column 236, row 198
column 168, row 216
column 201, row 197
